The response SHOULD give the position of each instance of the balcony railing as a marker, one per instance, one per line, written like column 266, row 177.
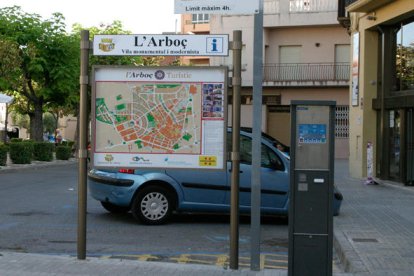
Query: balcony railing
column 312, row 5
column 271, row 6
column 306, row 72
column 298, row 6
column 192, row 22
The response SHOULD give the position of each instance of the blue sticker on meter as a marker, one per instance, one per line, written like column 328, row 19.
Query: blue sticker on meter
column 312, row 134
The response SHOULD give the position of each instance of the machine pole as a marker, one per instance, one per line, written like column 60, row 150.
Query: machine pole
column 235, row 154
column 82, row 142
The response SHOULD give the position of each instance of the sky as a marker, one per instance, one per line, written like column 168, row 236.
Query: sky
column 137, row 16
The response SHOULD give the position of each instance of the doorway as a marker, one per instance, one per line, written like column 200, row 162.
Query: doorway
column 410, row 147
column 401, row 145
column 395, row 144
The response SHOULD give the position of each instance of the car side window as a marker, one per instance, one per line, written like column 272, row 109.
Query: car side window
column 229, row 145
column 270, row 159
column 245, row 150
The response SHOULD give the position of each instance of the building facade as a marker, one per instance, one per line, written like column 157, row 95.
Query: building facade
column 195, row 24
column 306, row 57
column 382, row 90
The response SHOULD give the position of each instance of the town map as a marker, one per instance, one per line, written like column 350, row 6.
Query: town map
column 142, row 117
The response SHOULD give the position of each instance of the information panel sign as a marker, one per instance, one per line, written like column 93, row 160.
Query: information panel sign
column 312, row 133
column 161, row 45
column 216, row 6
column 159, row 117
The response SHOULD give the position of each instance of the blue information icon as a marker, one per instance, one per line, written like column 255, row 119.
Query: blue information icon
column 214, row 45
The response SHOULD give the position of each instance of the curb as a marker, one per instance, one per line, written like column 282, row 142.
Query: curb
column 348, row 257
column 396, row 185
column 36, row 164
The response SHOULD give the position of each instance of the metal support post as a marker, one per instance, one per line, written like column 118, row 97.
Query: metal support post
column 257, row 135
column 83, row 136
column 235, row 154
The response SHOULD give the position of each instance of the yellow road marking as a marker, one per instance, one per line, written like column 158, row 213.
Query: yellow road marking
column 268, row 261
column 147, row 257
column 182, row 259
column 221, row 260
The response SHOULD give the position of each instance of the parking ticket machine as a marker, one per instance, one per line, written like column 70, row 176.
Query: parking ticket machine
column 311, row 188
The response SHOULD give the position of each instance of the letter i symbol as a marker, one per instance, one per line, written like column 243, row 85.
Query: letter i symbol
column 214, row 45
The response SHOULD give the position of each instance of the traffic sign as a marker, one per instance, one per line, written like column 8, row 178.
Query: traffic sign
column 216, row 6
column 161, row 45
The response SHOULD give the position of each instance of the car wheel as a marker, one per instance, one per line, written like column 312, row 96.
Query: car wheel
column 152, row 205
column 114, row 208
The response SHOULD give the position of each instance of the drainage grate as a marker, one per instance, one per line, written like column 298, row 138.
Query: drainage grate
column 364, row 240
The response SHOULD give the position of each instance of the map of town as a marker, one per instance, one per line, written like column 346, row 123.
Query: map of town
column 136, row 117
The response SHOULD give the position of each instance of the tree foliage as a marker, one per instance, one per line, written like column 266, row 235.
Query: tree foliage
column 39, row 61
column 46, row 61
column 10, row 61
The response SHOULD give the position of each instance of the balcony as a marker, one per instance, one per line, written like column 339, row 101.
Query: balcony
column 306, row 74
column 289, row 13
column 343, row 16
column 298, row 6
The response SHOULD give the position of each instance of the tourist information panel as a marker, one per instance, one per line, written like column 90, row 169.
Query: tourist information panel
column 159, row 117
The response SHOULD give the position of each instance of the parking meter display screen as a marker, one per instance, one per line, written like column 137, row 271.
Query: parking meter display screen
column 312, row 134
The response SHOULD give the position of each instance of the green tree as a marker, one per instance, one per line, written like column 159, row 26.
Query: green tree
column 49, row 122
column 10, row 61
column 47, row 59
column 20, row 120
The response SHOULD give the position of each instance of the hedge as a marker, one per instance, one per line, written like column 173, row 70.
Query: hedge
column 63, row 152
column 21, row 153
column 68, row 143
column 16, row 140
column 43, row 151
column 3, row 154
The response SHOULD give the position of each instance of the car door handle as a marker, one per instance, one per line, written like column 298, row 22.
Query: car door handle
column 239, row 171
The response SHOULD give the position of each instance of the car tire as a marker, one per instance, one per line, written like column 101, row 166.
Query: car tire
column 152, row 205
column 114, row 208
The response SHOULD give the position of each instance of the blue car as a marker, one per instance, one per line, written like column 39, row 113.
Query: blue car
column 153, row 195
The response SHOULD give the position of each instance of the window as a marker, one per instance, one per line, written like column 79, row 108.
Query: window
column 245, row 150
column 289, row 58
column 290, row 54
column 269, row 159
column 200, row 18
column 405, row 57
column 342, row 58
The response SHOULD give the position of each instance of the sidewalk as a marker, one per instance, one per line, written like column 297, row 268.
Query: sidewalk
column 25, row 264
column 373, row 235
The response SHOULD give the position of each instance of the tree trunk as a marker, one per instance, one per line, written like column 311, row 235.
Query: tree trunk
column 5, row 123
column 36, row 123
